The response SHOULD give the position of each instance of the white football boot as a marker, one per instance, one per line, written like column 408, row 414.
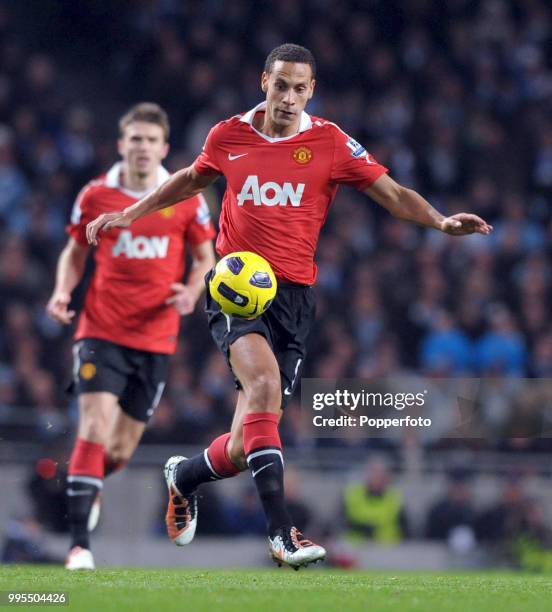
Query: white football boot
column 289, row 546
column 181, row 517
column 79, row 559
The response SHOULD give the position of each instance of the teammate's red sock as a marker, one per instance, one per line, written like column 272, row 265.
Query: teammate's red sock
column 84, row 480
column 263, row 450
column 212, row 464
column 111, row 466
column 87, row 459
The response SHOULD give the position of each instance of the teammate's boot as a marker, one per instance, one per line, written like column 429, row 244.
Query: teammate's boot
column 95, row 511
column 181, row 517
column 79, row 559
column 289, row 546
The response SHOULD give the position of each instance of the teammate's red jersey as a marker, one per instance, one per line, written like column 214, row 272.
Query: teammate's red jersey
column 279, row 190
column 125, row 302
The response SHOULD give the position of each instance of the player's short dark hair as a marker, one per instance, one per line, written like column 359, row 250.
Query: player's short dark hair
column 289, row 52
column 148, row 112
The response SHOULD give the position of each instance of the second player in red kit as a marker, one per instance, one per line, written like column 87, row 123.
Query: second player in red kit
column 129, row 324
column 283, row 168
column 125, row 302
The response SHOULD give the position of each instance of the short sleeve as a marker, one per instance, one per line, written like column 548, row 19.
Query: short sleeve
column 201, row 227
column 352, row 164
column 81, row 214
column 206, row 162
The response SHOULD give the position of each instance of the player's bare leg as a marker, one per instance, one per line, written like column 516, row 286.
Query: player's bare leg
column 86, row 472
column 235, row 443
column 123, row 439
column 224, row 458
column 255, row 366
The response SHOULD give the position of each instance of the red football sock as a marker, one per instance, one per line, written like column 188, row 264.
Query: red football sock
column 111, row 466
column 84, row 480
column 218, row 456
column 87, row 459
column 263, row 450
column 260, row 429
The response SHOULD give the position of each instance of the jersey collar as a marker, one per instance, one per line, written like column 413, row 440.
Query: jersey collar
column 113, row 180
column 304, row 125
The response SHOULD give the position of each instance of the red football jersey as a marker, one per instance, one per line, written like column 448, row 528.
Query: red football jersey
column 125, row 301
column 279, row 190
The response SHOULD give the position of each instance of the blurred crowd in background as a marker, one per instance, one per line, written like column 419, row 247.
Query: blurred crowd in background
column 453, row 97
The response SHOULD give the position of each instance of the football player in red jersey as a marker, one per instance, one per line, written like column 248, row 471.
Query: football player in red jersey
column 283, row 168
column 130, row 320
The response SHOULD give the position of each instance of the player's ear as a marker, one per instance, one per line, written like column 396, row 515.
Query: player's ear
column 120, row 146
column 165, row 150
column 311, row 89
column 264, row 82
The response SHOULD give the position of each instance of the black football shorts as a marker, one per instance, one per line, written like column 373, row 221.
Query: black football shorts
column 285, row 325
column 136, row 377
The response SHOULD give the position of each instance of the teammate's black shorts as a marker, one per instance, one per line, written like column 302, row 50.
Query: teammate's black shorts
column 136, row 377
column 285, row 325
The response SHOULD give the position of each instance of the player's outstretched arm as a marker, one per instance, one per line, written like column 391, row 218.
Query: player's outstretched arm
column 180, row 186
column 409, row 205
column 186, row 295
column 70, row 268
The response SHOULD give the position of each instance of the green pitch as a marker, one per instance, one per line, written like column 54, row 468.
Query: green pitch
column 286, row 590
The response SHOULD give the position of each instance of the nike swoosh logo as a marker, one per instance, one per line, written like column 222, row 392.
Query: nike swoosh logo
column 72, row 493
column 287, row 390
column 261, row 469
column 233, row 157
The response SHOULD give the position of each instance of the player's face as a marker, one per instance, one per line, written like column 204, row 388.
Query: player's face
column 288, row 87
column 143, row 147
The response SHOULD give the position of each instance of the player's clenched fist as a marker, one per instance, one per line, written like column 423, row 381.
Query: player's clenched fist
column 104, row 223
column 57, row 308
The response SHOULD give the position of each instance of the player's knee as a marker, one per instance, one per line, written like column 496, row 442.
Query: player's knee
column 263, row 392
column 235, row 451
column 93, row 426
column 117, row 452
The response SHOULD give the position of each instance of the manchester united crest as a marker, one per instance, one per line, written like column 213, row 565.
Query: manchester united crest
column 167, row 212
column 87, row 370
column 302, row 155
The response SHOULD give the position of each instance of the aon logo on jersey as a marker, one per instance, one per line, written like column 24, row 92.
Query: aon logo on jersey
column 141, row 247
column 270, row 193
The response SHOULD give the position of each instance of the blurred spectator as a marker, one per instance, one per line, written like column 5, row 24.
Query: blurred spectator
column 47, row 490
column 374, row 510
column 517, row 527
column 501, row 350
column 24, row 543
column 452, row 519
column 506, row 519
column 446, row 349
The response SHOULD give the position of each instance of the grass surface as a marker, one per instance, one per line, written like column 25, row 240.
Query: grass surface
column 266, row 590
